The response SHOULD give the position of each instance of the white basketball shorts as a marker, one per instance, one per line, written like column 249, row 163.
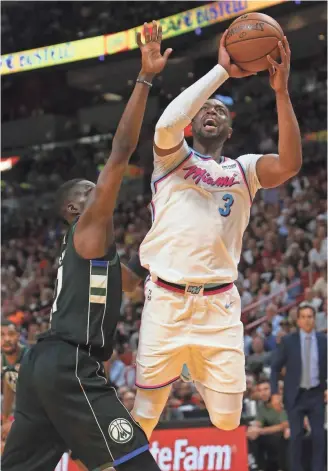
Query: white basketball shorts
column 204, row 332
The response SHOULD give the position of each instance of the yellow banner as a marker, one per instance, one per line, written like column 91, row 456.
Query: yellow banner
column 204, row 16
column 52, row 55
column 83, row 49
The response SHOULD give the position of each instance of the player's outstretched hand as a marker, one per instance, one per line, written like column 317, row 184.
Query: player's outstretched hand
column 153, row 62
column 279, row 73
column 225, row 61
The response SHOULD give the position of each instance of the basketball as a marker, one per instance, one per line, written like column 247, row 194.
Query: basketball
column 251, row 38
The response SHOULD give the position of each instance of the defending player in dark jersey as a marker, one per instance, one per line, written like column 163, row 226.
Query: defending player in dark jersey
column 63, row 399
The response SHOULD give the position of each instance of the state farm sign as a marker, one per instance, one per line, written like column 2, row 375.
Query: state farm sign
column 200, row 449
column 193, row 449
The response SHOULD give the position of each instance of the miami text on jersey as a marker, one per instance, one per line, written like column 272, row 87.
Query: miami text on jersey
column 201, row 174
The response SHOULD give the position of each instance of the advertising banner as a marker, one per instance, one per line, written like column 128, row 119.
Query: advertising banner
column 100, row 46
column 193, row 449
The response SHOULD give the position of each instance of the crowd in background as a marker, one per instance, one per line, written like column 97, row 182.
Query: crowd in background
column 284, row 255
column 77, row 21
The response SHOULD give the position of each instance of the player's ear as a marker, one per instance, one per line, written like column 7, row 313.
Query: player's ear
column 229, row 133
column 72, row 209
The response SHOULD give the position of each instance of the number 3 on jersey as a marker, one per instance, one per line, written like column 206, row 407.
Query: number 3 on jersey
column 228, row 202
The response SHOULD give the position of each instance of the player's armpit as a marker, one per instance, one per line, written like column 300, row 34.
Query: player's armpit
column 271, row 172
column 94, row 229
column 164, row 152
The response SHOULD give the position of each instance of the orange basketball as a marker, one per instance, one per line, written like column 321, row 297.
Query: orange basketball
column 251, row 38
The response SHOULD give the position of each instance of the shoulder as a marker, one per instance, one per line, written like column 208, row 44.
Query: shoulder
column 290, row 338
column 248, row 159
column 322, row 337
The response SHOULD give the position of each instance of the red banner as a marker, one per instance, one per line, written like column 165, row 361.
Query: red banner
column 200, row 449
column 196, row 449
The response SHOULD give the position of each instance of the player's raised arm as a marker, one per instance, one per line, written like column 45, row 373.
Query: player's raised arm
column 94, row 230
column 273, row 170
column 178, row 115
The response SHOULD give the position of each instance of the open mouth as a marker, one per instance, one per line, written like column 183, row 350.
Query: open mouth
column 210, row 124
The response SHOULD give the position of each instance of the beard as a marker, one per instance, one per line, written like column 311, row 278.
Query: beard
column 219, row 135
column 9, row 349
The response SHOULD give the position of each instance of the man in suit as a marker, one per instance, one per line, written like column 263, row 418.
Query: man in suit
column 304, row 355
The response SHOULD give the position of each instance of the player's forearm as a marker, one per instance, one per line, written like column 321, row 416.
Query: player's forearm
column 274, row 429
column 180, row 112
column 133, row 273
column 124, row 143
column 128, row 131
column 8, row 401
column 290, row 144
column 127, row 134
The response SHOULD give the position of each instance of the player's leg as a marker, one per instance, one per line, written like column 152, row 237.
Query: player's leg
column 217, row 362
column 87, row 414
column 32, row 444
column 161, row 353
column 224, row 409
column 148, row 407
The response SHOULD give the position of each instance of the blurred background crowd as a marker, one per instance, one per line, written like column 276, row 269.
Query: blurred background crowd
column 60, row 127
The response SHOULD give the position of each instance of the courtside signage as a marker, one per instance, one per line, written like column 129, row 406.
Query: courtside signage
column 196, row 449
column 103, row 45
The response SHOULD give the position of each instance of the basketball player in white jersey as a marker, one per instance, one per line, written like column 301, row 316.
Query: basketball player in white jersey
column 200, row 208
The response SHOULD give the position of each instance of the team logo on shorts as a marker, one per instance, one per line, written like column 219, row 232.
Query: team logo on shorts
column 120, row 430
column 194, row 289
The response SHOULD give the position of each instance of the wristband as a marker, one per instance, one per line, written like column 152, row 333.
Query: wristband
column 145, row 82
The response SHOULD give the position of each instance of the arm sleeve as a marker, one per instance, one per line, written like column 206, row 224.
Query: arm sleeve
column 248, row 166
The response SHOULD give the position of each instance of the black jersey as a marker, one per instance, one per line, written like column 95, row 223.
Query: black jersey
column 88, row 298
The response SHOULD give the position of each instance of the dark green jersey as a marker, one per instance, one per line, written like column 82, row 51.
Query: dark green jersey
column 88, row 298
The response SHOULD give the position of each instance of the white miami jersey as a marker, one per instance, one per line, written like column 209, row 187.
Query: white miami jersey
column 200, row 210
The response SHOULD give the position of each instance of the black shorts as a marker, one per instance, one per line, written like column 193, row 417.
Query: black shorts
column 64, row 403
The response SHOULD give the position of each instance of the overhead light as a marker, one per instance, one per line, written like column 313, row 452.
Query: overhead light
column 112, row 97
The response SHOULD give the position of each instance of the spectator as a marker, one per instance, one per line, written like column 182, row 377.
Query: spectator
column 12, row 353
column 320, row 286
column 315, row 259
column 171, row 411
column 116, row 370
column 293, row 279
column 272, row 316
column 285, row 326
column 321, row 318
column 245, row 296
column 128, row 400
column 185, row 394
column 267, row 432
column 269, row 339
column 278, row 284
column 311, row 299
column 259, row 358
column 304, row 354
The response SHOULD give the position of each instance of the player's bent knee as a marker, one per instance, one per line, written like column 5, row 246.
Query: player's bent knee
column 228, row 421
column 147, row 413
